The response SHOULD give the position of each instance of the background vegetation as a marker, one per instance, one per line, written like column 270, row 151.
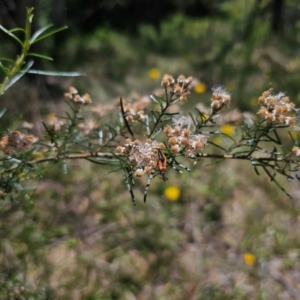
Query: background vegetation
column 220, row 232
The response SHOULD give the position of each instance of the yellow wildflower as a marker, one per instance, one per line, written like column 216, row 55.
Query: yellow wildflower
column 200, row 88
column 172, row 193
column 227, row 129
column 154, row 73
column 249, row 259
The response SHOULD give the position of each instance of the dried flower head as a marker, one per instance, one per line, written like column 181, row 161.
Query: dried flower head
column 220, row 98
column 277, row 108
column 142, row 155
column 88, row 126
column 296, row 151
column 167, row 80
column 17, row 141
column 74, row 96
column 134, row 111
column 55, row 121
column 181, row 138
column 103, row 109
column 180, row 88
column 27, row 125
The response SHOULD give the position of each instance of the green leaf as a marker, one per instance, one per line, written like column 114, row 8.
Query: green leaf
column 202, row 115
column 248, row 121
column 156, row 99
column 2, row 112
column 175, row 101
column 155, row 133
column 165, row 119
column 193, row 119
column 113, row 130
column 277, row 136
column 291, row 136
column 171, row 114
column 39, row 32
column 40, row 55
column 19, row 75
column 53, row 73
column 271, row 139
column 155, row 113
column 240, row 153
column 49, row 34
column 31, row 17
column 218, row 146
column 227, row 136
column 30, row 14
column 272, row 178
column 7, row 59
column 12, row 35
column 113, row 170
column 5, row 71
column 254, row 165
column 16, row 29
column 95, row 161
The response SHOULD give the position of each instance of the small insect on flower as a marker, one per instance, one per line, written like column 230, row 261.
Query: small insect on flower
column 162, row 164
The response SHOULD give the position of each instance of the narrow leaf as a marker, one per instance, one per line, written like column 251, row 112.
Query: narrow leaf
column 19, row 75
column 49, row 34
column 194, row 121
column 53, row 73
column 248, row 121
column 254, row 165
column 7, row 59
column 212, row 143
column 155, row 133
column 11, row 34
column 5, row 71
column 112, row 171
column 240, row 153
column 2, row 112
column 157, row 99
column 272, row 178
column 39, row 32
column 271, row 139
column 171, row 114
column 16, row 29
column 202, row 115
column 165, row 119
column 40, row 55
column 291, row 136
column 95, row 161
column 228, row 136
column 45, row 126
column 113, row 130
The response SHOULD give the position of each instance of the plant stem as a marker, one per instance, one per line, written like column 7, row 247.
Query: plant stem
column 20, row 60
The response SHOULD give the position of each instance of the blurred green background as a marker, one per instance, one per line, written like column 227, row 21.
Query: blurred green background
column 219, row 232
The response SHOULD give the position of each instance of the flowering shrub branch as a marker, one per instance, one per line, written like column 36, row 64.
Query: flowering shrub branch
column 150, row 136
